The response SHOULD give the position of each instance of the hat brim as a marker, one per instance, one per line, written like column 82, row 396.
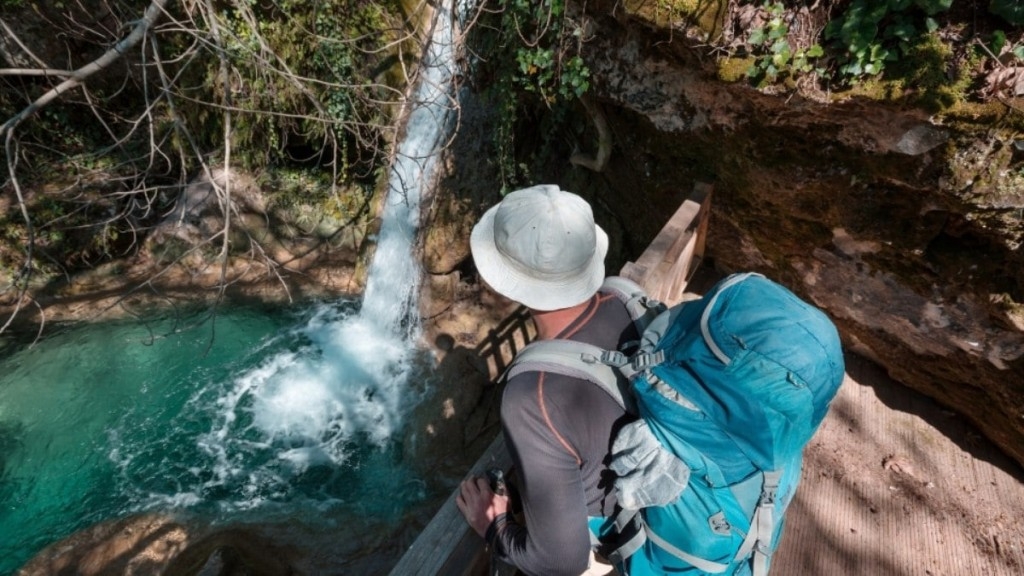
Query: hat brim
column 504, row 276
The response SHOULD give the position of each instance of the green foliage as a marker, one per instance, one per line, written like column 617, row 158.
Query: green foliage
column 67, row 233
column 777, row 58
column 301, row 76
column 549, row 62
column 531, row 53
column 871, row 33
column 998, row 42
column 1011, row 10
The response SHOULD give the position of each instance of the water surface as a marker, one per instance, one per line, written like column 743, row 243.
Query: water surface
column 258, row 415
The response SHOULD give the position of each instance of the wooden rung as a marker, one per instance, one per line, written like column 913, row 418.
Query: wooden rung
column 682, row 229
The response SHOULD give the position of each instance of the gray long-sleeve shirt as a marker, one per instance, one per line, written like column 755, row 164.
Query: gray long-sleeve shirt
column 559, row 431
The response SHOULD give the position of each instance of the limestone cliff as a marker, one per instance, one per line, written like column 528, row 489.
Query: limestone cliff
column 905, row 230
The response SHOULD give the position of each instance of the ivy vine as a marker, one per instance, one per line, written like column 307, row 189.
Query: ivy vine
column 532, row 51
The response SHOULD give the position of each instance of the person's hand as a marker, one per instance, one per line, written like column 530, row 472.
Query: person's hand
column 479, row 504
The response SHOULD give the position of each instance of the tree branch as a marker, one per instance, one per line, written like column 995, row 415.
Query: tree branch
column 77, row 77
column 35, row 72
column 14, row 37
column 604, row 138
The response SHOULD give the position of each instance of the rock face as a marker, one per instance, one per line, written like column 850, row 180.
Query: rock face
column 903, row 226
column 905, row 231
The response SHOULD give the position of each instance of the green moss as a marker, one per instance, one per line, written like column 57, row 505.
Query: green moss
column 925, row 66
column 921, row 77
column 991, row 114
column 707, row 15
column 875, row 88
column 734, row 69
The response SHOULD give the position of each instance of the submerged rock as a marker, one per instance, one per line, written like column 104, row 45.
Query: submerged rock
column 156, row 544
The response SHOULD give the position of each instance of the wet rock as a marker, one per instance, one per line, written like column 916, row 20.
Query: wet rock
column 157, row 544
column 921, row 139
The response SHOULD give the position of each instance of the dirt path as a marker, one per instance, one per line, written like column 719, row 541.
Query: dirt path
column 894, row 484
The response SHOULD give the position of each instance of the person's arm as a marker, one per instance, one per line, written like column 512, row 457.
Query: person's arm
column 555, row 539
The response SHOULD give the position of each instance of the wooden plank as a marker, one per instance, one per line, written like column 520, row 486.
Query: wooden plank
column 671, row 275
column 668, row 263
column 688, row 251
column 447, row 544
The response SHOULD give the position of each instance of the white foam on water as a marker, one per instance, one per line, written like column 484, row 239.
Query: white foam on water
column 352, row 384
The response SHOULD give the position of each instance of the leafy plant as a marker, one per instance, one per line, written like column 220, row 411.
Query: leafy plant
column 779, row 58
column 548, row 65
column 531, row 54
column 998, row 43
column 871, row 33
column 1011, row 10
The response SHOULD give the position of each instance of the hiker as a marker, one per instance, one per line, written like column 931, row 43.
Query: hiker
column 728, row 389
column 541, row 248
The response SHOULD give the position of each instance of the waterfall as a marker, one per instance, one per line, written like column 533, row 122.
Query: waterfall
column 346, row 382
column 288, row 415
column 394, row 274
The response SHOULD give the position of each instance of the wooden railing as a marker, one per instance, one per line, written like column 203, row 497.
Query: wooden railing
column 670, row 260
column 448, row 546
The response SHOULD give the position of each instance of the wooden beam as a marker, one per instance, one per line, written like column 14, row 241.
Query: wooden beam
column 448, row 546
column 668, row 263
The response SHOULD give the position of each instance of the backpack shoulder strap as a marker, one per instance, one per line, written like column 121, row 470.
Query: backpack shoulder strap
column 577, row 360
column 642, row 309
column 607, row 369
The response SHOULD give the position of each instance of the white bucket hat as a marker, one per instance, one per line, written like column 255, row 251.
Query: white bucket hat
column 540, row 247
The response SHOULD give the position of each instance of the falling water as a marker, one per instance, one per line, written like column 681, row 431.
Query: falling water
column 394, row 274
column 351, row 381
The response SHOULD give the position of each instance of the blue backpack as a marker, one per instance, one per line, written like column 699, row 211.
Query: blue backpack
column 728, row 389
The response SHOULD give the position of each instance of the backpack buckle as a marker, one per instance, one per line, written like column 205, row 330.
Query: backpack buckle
column 644, row 361
column 770, row 488
column 650, row 303
column 719, row 525
column 614, row 358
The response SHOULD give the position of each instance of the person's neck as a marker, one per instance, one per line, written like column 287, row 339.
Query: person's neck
column 551, row 323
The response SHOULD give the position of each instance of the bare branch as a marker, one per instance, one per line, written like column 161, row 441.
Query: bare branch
column 155, row 9
column 187, row 115
column 22, row 278
column 223, row 192
column 10, row 34
column 35, row 72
